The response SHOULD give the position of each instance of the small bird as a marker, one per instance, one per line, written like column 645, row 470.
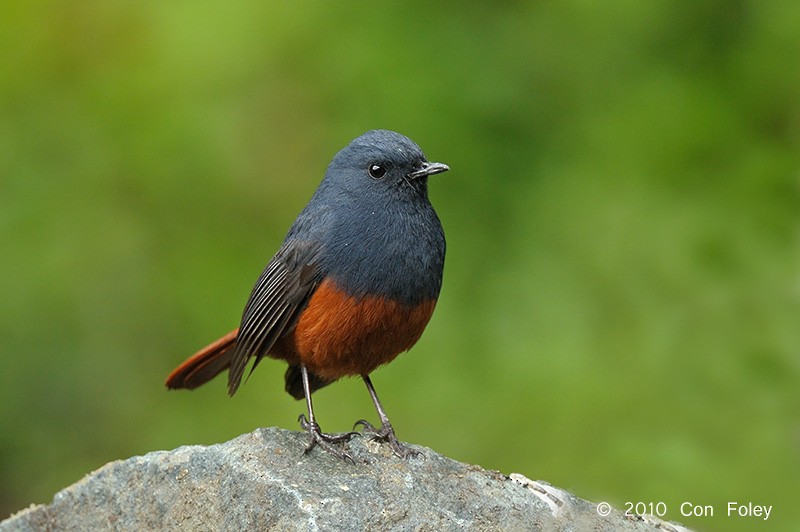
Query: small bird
column 352, row 286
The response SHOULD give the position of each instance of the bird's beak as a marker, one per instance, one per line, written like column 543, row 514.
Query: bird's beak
column 429, row 169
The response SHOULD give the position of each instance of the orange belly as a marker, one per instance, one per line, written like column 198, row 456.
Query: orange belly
column 339, row 335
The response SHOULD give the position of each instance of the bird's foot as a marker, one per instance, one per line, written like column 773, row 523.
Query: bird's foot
column 386, row 435
column 328, row 442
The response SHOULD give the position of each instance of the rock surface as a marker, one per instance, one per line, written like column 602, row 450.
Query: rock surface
column 263, row 481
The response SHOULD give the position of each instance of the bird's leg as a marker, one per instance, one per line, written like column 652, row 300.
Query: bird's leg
column 315, row 434
column 386, row 432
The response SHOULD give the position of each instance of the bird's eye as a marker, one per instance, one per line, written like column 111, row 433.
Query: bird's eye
column 376, row 171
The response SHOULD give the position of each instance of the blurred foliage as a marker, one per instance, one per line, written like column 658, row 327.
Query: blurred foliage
column 621, row 307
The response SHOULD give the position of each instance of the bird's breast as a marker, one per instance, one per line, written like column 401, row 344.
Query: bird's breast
column 397, row 254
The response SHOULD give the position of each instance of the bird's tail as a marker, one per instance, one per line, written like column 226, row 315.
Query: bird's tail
column 205, row 364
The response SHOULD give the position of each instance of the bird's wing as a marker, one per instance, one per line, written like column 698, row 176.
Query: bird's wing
column 280, row 294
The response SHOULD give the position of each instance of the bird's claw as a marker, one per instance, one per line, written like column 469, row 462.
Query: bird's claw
column 328, row 442
column 386, row 435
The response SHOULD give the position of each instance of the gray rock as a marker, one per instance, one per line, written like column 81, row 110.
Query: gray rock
column 263, row 481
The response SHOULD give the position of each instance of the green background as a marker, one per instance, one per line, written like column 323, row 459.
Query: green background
column 621, row 305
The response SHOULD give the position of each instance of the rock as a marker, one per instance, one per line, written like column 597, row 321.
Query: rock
column 263, row 481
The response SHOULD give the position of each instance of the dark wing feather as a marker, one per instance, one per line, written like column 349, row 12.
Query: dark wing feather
column 280, row 294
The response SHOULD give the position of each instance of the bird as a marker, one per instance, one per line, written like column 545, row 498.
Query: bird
column 354, row 284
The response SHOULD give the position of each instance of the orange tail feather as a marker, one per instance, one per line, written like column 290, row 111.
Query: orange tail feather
column 205, row 364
